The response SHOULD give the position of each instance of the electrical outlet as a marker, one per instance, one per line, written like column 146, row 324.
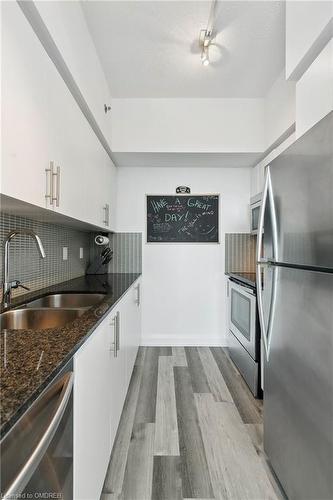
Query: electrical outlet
column 64, row 253
column 81, row 253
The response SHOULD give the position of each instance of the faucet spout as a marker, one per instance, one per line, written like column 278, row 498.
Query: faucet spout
column 7, row 286
column 40, row 246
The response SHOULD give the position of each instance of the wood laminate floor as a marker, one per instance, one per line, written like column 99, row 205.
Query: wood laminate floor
column 190, row 428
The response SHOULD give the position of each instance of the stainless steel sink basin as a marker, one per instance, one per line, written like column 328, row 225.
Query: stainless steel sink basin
column 67, row 300
column 38, row 319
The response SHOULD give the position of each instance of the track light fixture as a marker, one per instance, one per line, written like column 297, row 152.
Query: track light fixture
column 206, row 35
column 204, row 42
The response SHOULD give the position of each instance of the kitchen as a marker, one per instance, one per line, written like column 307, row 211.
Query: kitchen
column 166, row 222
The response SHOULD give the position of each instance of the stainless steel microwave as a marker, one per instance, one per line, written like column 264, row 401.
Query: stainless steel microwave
column 254, row 213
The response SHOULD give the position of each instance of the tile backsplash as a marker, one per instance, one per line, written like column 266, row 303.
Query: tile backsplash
column 25, row 263
column 240, row 252
column 35, row 273
column 127, row 253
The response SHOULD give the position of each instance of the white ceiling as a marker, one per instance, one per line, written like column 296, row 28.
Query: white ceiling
column 150, row 49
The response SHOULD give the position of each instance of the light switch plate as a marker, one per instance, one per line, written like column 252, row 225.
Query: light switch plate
column 81, row 253
column 64, row 253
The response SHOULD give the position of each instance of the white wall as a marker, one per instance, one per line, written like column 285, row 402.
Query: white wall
column 188, row 125
column 203, row 125
column 183, row 284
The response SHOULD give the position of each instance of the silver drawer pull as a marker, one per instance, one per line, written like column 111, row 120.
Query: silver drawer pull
column 138, row 295
column 106, row 209
column 118, row 330
column 113, row 347
column 56, row 175
column 49, row 183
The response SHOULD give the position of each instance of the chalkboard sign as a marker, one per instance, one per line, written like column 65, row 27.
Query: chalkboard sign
column 183, row 219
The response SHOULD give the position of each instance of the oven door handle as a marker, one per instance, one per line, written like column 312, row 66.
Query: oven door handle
column 25, row 474
column 266, row 328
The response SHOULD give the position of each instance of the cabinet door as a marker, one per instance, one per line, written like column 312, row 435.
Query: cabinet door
column 41, row 122
column 131, row 322
column 127, row 319
column 92, row 414
column 101, row 381
column 26, row 76
column 117, row 383
column 84, row 179
column 314, row 91
column 134, row 333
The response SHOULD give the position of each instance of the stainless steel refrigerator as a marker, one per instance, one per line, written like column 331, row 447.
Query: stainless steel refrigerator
column 295, row 256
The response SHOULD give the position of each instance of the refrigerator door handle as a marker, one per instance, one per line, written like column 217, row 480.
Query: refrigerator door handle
column 266, row 329
column 267, row 195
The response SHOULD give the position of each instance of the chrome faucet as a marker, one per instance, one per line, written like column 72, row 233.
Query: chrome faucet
column 9, row 285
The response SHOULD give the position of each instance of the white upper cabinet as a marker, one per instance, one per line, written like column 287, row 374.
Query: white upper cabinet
column 42, row 123
column 26, row 74
column 308, row 26
column 67, row 26
column 309, row 59
column 314, row 91
column 257, row 179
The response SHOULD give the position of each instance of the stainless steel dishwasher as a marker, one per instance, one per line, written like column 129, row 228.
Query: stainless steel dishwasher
column 37, row 453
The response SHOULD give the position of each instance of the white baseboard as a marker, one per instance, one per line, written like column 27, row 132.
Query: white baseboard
column 185, row 340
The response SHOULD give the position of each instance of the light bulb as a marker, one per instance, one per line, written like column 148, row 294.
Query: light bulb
column 205, row 56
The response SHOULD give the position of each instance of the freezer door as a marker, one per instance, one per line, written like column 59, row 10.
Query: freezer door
column 302, row 184
column 298, row 401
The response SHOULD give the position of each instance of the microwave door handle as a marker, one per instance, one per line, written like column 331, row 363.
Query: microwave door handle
column 24, row 476
column 266, row 328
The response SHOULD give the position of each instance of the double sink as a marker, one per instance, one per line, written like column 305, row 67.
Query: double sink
column 51, row 311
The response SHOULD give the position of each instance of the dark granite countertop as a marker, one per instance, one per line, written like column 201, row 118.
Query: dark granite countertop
column 30, row 359
column 246, row 278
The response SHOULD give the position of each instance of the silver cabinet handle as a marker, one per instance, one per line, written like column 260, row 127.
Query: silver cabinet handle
column 58, row 187
column 114, row 344
column 118, row 330
column 49, row 183
column 24, row 476
column 138, row 295
column 266, row 327
column 105, row 221
column 56, row 176
column 106, row 209
column 108, row 214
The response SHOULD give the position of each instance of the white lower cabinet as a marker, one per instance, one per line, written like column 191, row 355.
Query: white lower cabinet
column 92, row 415
column 130, row 319
column 102, row 368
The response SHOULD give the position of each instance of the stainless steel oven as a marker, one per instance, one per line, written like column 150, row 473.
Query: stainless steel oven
column 244, row 333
